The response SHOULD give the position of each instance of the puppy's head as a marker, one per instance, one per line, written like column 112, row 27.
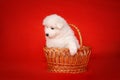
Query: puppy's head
column 53, row 25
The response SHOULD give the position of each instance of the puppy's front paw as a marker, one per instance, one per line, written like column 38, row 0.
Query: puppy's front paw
column 73, row 51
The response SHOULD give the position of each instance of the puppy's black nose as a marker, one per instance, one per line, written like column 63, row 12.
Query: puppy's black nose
column 47, row 34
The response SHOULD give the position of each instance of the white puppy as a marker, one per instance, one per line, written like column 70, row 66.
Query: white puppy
column 59, row 34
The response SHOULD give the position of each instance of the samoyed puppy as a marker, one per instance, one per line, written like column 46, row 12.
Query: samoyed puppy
column 59, row 34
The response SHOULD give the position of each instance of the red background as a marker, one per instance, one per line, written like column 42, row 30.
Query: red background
column 22, row 37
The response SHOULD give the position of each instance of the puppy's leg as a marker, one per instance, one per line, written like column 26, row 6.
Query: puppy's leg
column 73, row 48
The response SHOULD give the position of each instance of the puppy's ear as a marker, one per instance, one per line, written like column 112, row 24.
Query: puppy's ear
column 59, row 25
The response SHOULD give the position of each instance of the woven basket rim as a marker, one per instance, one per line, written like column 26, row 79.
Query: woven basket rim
column 81, row 48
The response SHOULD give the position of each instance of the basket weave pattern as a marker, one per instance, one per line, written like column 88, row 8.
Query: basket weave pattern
column 60, row 60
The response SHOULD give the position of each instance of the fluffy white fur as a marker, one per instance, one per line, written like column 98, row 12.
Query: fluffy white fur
column 59, row 34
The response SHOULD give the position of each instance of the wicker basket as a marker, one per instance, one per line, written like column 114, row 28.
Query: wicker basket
column 60, row 60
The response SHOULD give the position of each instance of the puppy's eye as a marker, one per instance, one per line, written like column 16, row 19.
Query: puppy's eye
column 52, row 28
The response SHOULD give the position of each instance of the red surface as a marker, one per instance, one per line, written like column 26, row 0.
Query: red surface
column 22, row 37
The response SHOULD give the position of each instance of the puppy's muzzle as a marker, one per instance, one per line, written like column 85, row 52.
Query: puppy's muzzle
column 47, row 34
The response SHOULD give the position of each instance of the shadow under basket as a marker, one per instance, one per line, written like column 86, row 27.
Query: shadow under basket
column 59, row 59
